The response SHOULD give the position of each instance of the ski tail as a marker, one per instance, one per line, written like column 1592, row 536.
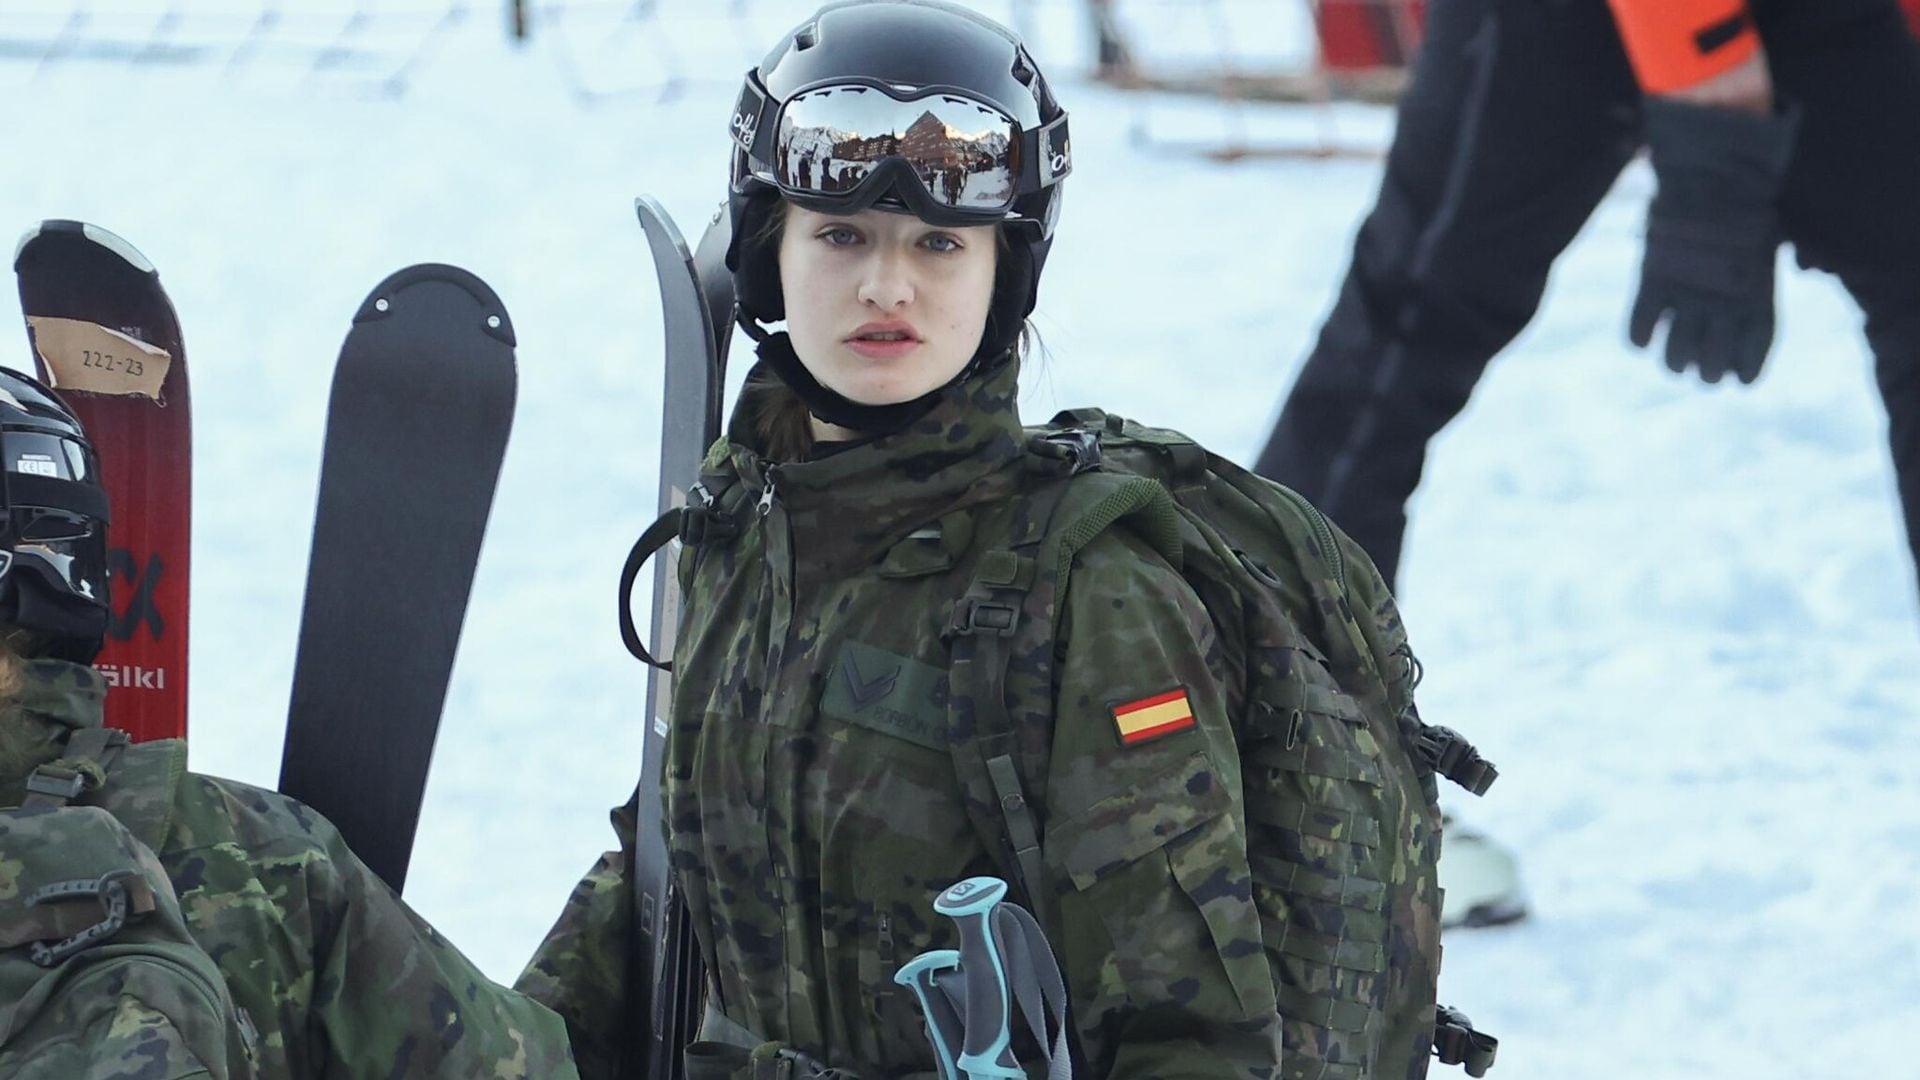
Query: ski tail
column 666, row 973
column 417, row 426
column 106, row 338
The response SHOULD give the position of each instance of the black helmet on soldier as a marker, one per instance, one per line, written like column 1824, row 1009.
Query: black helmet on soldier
column 917, row 106
column 53, row 524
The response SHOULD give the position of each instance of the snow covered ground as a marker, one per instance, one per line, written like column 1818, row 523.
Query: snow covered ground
column 1682, row 620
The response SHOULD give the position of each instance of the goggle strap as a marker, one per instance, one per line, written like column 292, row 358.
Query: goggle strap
column 82, row 500
column 749, row 127
column 1052, row 148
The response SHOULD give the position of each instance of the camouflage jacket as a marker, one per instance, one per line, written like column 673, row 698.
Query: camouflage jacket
column 337, row 975
column 814, row 807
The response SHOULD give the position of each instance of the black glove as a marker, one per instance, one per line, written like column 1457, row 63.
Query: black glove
column 1712, row 231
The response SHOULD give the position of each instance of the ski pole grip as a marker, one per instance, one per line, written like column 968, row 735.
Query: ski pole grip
column 945, row 1029
column 987, row 1050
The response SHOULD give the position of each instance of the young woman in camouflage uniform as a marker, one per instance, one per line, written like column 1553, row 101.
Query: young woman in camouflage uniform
column 811, row 801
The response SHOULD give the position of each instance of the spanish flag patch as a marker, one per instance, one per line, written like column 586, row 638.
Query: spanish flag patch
column 1151, row 717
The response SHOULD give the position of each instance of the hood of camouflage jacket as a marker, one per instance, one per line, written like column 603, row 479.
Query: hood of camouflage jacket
column 850, row 508
column 54, row 698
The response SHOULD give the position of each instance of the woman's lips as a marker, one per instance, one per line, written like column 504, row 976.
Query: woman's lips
column 877, row 349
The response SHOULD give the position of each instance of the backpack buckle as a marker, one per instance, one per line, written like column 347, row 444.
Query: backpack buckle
column 57, row 782
column 973, row 615
column 701, row 525
column 704, row 520
column 1447, row 752
column 1077, row 448
column 115, row 900
column 1455, row 1042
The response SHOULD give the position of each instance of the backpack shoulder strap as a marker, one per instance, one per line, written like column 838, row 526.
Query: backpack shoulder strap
column 1011, row 609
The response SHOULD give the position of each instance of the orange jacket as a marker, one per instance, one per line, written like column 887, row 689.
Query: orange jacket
column 1675, row 44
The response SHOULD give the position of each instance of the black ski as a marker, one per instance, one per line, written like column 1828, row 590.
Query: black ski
column 666, row 976
column 417, row 425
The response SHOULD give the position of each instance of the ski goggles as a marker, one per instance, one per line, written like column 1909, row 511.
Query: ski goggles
column 62, row 549
column 951, row 157
column 49, row 516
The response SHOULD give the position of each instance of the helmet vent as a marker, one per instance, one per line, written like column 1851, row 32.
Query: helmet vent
column 806, row 39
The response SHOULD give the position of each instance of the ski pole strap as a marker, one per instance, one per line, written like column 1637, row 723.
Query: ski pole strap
column 933, row 977
column 1448, row 753
column 1004, row 960
column 1455, row 1042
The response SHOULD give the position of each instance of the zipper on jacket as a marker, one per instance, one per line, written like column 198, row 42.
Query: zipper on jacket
column 771, row 492
column 777, row 527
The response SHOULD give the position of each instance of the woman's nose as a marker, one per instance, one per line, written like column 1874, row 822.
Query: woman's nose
column 887, row 283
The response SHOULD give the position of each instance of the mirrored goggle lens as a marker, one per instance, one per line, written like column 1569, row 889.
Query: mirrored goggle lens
column 966, row 155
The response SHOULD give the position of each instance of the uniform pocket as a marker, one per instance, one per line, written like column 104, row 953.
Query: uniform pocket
column 1127, row 825
column 1163, row 865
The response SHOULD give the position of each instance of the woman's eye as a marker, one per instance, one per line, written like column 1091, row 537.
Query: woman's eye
column 942, row 243
column 840, row 237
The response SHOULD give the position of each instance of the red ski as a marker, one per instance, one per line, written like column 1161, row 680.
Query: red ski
column 106, row 338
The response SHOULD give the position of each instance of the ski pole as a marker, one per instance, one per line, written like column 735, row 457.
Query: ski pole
column 1004, row 957
column 924, row 975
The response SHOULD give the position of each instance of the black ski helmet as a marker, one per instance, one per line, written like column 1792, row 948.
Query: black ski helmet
column 912, row 51
column 53, row 523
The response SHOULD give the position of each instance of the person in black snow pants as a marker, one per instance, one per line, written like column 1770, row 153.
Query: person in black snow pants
column 1765, row 120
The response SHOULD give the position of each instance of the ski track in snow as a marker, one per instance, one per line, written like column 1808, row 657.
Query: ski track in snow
column 1680, row 619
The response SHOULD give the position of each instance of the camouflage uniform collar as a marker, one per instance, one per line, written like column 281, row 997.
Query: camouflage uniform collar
column 973, row 430
column 848, row 509
column 71, row 694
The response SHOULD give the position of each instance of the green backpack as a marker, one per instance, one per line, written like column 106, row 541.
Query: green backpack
column 1338, row 768
column 98, row 973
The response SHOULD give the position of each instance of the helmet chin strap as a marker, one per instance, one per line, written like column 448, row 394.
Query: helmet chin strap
column 835, row 408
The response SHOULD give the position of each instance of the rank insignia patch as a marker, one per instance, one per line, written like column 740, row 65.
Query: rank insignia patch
column 1151, row 717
